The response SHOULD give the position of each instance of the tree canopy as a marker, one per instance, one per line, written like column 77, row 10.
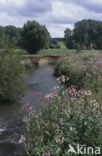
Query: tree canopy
column 86, row 33
column 34, row 37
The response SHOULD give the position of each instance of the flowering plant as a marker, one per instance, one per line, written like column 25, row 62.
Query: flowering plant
column 68, row 116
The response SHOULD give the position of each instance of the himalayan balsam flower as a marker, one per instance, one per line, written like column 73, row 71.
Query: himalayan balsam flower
column 22, row 139
column 46, row 154
column 26, row 119
column 71, row 128
column 62, row 79
column 55, row 88
column 37, row 94
column 48, row 96
column 26, row 105
column 88, row 92
column 57, row 140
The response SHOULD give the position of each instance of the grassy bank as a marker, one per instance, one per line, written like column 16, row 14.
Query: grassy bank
column 84, row 71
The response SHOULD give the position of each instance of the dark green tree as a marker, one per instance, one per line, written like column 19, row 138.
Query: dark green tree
column 53, row 44
column 34, row 37
column 68, row 38
column 85, row 33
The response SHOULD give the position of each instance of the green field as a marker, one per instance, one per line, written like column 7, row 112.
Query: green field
column 63, row 51
column 51, row 52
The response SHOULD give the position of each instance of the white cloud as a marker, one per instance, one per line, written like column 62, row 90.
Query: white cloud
column 57, row 15
column 12, row 3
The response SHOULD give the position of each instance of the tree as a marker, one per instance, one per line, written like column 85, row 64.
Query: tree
column 34, row 37
column 53, row 44
column 85, row 33
column 68, row 38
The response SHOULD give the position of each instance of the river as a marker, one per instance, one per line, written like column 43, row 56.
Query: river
column 11, row 125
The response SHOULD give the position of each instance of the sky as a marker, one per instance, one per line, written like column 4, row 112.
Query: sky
column 56, row 15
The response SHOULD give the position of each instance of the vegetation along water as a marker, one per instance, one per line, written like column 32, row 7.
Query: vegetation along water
column 46, row 110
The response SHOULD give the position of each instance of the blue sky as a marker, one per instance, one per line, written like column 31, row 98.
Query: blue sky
column 57, row 15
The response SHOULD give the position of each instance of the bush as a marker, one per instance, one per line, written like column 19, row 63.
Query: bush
column 72, row 70
column 68, row 117
column 11, row 76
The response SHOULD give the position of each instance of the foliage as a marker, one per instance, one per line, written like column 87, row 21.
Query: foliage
column 68, row 38
column 11, row 76
column 34, row 37
column 53, row 44
column 84, row 71
column 68, row 117
column 10, row 33
column 86, row 33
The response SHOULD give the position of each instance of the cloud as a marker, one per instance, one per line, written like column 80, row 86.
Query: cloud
column 92, row 5
column 57, row 15
column 25, row 7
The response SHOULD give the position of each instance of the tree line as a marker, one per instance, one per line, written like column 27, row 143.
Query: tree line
column 31, row 37
column 87, row 34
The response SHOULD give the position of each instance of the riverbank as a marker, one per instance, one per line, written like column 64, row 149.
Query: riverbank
column 11, row 126
column 39, row 60
column 84, row 71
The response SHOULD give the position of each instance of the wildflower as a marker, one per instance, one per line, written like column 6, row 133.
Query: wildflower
column 48, row 96
column 71, row 128
column 26, row 105
column 46, row 154
column 58, row 79
column 37, row 94
column 30, row 108
column 22, row 139
column 63, row 78
column 26, row 119
column 62, row 139
column 67, row 78
column 57, row 140
column 88, row 92
column 55, row 88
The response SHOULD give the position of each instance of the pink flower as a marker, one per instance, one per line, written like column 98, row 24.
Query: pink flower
column 57, row 140
column 88, row 92
column 46, row 154
column 37, row 94
column 26, row 105
column 26, row 119
column 55, row 88
column 30, row 108
column 63, row 78
column 48, row 96
column 67, row 78
column 62, row 139
column 22, row 139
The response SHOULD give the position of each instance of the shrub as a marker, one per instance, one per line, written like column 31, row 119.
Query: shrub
column 11, row 76
column 72, row 70
column 68, row 117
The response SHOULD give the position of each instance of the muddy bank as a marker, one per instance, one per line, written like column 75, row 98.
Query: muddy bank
column 42, row 60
